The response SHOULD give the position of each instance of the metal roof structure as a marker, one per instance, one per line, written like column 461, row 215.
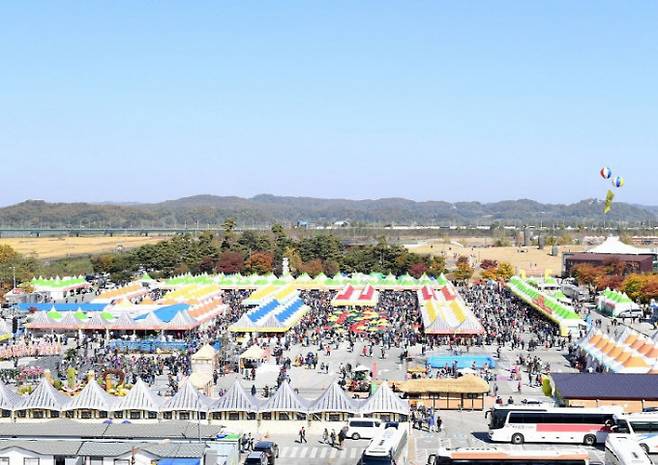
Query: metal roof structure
column 235, row 399
column 333, row 399
column 187, row 398
column 44, row 396
column 285, row 400
column 92, row 397
column 117, row 449
column 71, row 429
column 42, row 447
column 8, row 398
column 384, row 400
column 140, row 397
column 626, row 386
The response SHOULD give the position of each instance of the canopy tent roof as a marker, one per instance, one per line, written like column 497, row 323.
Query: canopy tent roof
column 44, row 396
column 140, row 397
column 187, row 398
column 206, row 352
column 285, row 400
column 385, row 401
column 8, row 398
column 235, row 399
column 92, row 397
column 333, row 399
column 613, row 245
column 254, row 352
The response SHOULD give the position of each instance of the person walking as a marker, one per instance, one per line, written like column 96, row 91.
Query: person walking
column 302, row 435
column 341, row 438
column 325, row 436
column 333, row 438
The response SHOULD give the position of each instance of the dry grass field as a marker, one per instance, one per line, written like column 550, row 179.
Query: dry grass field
column 62, row 247
column 530, row 259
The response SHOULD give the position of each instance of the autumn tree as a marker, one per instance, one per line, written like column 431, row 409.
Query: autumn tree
column 417, row 269
column 259, row 263
column 437, row 266
column 312, row 267
column 464, row 270
column 230, row 262
column 504, row 271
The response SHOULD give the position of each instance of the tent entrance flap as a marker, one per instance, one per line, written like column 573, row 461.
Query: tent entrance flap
column 172, row 461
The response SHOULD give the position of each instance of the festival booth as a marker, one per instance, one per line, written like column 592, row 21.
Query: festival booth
column 191, row 294
column 332, row 405
column 92, row 403
column 285, row 404
column 43, row 403
column 186, row 404
column 234, row 405
column 274, row 316
column 631, row 352
column 204, row 364
column 444, row 312
column 350, row 296
column 130, row 291
column 564, row 316
column 253, row 357
column 59, row 288
column 139, row 404
column 8, row 401
column 386, row 405
column 467, row 392
column 188, row 279
column 613, row 303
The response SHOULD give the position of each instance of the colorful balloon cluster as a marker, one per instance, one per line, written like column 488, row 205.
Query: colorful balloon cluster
column 617, row 181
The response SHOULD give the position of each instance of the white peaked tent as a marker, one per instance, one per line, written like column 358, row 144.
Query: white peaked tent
column 92, row 397
column 140, row 397
column 151, row 321
column 8, row 398
column 95, row 321
column 182, row 321
column 285, row 400
column 612, row 245
column 187, row 399
column 333, row 399
column 44, row 397
column 235, row 399
column 384, row 400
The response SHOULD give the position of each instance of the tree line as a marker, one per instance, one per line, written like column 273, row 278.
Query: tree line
column 264, row 252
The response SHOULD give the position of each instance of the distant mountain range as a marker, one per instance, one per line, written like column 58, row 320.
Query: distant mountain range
column 263, row 210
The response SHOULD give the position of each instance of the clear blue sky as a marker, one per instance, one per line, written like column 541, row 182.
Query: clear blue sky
column 146, row 101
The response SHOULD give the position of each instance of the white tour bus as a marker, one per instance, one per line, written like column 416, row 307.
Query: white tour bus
column 497, row 415
column 641, row 428
column 388, row 448
column 492, row 456
column 560, row 424
column 621, row 450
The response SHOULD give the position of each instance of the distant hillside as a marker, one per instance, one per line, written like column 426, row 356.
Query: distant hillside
column 267, row 209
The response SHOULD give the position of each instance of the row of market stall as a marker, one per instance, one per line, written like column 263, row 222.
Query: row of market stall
column 127, row 317
column 615, row 303
column 631, row 352
column 141, row 403
column 305, row 281
column 568, row 321
column 444, row 312
column 275, row 311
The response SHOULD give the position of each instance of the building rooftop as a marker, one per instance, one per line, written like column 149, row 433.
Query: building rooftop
column 606, row 386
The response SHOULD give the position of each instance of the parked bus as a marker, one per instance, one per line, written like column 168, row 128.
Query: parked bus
column 562, row 424
column 621, row 450
column 491, row 456
column 639, row 427
column 497, row 415
column 387, row 448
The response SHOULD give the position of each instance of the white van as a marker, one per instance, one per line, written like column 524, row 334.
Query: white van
column 363, row 428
